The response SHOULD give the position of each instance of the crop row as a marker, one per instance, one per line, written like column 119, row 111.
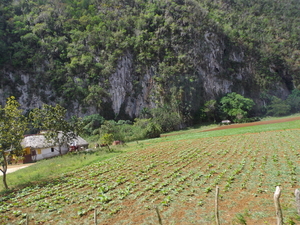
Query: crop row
column 168, row 173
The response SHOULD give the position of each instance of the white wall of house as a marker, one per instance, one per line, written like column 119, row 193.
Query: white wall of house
column 49, row 152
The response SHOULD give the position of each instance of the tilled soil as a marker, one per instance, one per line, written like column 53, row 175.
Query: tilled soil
column 255, row 123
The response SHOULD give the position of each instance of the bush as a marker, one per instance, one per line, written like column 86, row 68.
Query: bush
column 167, row 118
column 125, row 130
column 92, row 123
column 235, row 106
column 107, row 139
column 153, row 130
column 278, row 107
column 294, row 100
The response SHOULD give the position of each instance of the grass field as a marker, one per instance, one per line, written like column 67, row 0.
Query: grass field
column 177, row 173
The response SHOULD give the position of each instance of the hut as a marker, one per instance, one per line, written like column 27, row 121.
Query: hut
column 36, row 147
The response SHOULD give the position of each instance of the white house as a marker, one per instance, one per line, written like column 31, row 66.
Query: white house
column 37, row 147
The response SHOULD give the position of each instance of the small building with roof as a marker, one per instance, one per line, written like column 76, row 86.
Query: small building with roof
column 37, row 147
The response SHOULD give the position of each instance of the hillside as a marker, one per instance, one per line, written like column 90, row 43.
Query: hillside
column 177, row 174
column 120, row 57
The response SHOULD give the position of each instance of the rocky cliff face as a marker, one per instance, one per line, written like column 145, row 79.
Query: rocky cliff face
column 210, row 58
column 218, row 68
column 145, row 54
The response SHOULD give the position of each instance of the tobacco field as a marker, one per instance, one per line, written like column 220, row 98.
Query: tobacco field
column 178, row 177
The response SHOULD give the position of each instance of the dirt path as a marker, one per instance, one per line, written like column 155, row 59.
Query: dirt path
column 13, row 168
column 255, row 123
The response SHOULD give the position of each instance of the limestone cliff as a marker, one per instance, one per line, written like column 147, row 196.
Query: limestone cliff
column 117, row 58
column 218, row 68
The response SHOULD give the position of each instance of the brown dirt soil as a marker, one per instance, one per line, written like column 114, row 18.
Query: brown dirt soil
column 179, row 177
column 223, row 127
column 255, row 123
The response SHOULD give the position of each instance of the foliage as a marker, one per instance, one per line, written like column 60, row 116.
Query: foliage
column 92, row 122
column 153, row 130
column 107, row 139
column 294, row 101
column 210, row 108
column 95, row 96
column 167, row 117
column 235, row 106
column 126, row 130
column 12, row 128
column 52, row 119
column 278, row 107
column 73, row 48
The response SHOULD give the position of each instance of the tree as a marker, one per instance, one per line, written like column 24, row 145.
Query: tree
column 210, row 108
column 167, row 117
column 153, row 130
column 12, row 128
column 278, row 107
column 107, row 139
column 145, row 113
column 294, row 100
column 92, row 122
column 95, row 96
column 58, row 130
column 235, row 106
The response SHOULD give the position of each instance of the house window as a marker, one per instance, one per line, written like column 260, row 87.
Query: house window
column 52, row 149
column 39, row 151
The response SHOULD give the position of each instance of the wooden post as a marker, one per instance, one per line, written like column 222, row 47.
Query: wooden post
column 159, row 218
column 27, row 219
column 277, row 206
column 297, row 196
column 217, row 206
column 95, row 217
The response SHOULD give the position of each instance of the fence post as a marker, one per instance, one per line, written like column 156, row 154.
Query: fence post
column 297, row 196
column 27, row 219
column 217, row 206
column 159, row 218
column 95, row 216
column 277, row 206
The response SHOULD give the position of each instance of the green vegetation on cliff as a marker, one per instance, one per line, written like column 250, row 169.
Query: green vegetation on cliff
column 75, row 46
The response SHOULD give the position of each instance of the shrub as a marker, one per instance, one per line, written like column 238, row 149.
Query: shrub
column 107, row 139
column 235, row 106
column 278, row 107
column 168, row 118
column 153, row 130
column 91, row 123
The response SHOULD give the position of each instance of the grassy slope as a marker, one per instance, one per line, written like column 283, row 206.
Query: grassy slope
column 198, row 133
column 56, row 166
column 51, row 168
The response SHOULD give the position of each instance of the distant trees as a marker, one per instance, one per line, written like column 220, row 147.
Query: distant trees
column 167, row 117
column 91, row 123
column 52, row 119
column 232, row 106
column 95, row 96
column 210, row 109
column 13, row 125
column 294, row 101
column 74, row 48
column 235, row 106
column 278, row 107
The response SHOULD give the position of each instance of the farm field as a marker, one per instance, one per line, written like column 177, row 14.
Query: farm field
column 179, row 176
